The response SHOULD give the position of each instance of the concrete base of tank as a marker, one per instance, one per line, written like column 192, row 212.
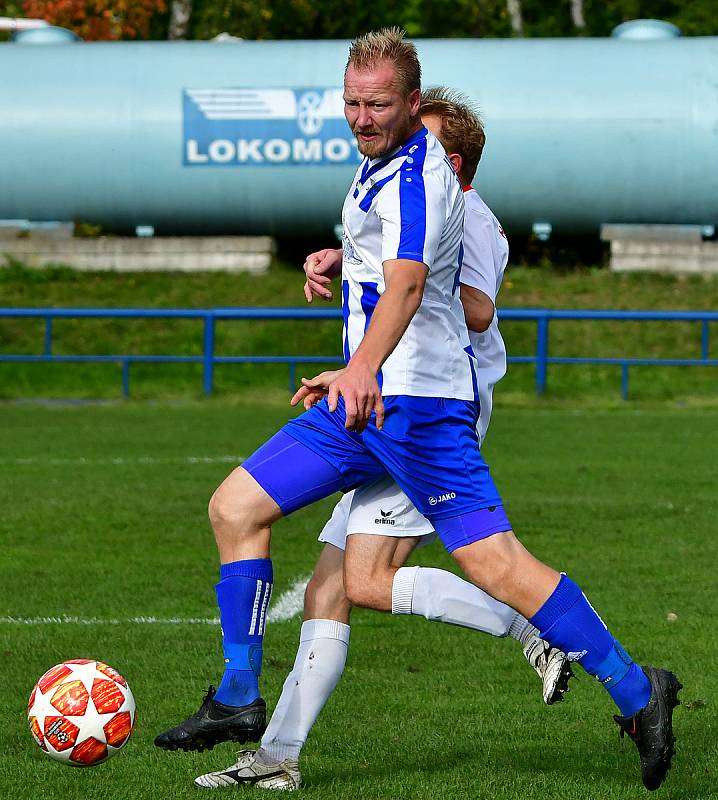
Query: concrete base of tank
column 661, row 248
column 131, row 254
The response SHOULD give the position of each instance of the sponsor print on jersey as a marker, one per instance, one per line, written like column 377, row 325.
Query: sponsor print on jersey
column 266, row 127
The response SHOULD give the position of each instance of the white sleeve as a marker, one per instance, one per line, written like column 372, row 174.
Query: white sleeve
column 413, row 210
column 479, row 268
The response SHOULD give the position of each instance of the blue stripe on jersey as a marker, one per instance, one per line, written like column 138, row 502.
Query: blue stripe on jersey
column 457, row 276
column 412, row 204
column 345, row 315
column 369, row 299
column 372, row 192
column 470, row 352
column 368, row 171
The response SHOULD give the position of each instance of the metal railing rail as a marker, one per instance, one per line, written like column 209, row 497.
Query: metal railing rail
column 210, row 316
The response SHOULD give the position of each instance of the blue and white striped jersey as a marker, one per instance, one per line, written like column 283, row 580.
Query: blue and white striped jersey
column 410, row 205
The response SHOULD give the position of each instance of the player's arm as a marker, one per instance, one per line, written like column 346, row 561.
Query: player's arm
column 413, row 211
column 478, row 271
column 320, row 269
column 478, row 308
column 404, row 281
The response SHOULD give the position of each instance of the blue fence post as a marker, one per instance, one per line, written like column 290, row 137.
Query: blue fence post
column 292, row 377
column 125, row 378
column 208, row 354
column 704, row 340
column 624, row 381
column 541, row 354
column 48, row 336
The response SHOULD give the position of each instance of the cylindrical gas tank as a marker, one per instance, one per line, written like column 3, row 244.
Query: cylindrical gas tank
column 222, row 137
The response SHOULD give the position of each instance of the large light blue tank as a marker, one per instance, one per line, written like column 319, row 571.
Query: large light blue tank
column 210, row 137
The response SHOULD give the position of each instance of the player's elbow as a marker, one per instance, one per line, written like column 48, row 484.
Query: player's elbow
column 478, row 320
column 478, row 308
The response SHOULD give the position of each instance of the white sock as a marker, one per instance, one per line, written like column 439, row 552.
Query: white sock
column 522, row 630
column 322, row 654
column 444, row 597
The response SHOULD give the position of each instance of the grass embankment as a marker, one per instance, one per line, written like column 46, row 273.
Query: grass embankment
column 523, row 287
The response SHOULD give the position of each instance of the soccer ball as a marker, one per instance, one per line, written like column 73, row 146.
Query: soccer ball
column 81, row 712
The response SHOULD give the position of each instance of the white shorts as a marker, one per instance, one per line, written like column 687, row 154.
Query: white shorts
column 380, row 508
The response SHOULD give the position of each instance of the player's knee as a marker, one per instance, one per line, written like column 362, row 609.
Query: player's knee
column 228, row 513
column 364, row 590
column 358, row 593
column 491, row 563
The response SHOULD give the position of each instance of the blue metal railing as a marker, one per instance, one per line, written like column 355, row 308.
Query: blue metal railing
column 541, row 359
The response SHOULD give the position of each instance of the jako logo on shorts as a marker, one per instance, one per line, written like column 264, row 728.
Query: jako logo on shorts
column 266, row 127
column 442, row 498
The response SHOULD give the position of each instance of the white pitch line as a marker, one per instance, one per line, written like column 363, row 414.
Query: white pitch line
column 287, row 606
column 81, row 461
column 289, row 603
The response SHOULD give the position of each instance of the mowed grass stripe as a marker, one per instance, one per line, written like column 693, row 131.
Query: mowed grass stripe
column 423, row 710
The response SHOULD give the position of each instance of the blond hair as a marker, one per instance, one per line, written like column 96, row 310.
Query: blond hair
column 387, row 44
column 461, row 129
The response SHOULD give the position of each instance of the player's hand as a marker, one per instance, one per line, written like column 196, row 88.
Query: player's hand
column 320, row 269
column 362, row 396
column 313, row 389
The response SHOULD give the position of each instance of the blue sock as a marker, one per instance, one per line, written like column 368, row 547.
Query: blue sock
column 568, row 621
column 243, row 595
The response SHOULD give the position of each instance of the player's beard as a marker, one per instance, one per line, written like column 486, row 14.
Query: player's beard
column 387, row 140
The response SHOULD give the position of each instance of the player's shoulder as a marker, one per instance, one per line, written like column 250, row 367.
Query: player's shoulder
column 476, row 205
column 479, row 212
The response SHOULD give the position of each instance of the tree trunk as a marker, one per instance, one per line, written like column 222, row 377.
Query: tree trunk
column 517, row 23
column 579, row 20
column 180, row 13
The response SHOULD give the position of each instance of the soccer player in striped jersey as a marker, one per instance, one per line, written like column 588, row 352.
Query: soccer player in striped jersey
column 406, row 406
column 380, row 522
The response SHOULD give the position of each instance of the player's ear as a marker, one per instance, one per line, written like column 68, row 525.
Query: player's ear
column 456, row 162
column 415, row 102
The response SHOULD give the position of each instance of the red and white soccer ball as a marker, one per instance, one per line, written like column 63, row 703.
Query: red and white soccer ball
column 81, row 712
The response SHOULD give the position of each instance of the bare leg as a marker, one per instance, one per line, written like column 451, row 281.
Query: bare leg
column 242, row 513
column 503, row 567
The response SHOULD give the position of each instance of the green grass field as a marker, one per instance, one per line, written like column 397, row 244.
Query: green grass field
column 104, row 516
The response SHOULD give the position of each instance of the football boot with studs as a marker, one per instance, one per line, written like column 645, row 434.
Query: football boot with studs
column 215, row 722
column 552, row 666
column 651, row 728
column 253, row 768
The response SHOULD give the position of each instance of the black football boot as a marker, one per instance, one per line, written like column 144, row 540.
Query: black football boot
column 215, row 722
column 651, row 728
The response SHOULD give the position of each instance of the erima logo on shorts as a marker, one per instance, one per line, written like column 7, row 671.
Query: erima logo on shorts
column 384, row 519
column 442, row 498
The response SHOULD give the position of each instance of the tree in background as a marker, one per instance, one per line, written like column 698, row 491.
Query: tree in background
column 99, row 19
column 337, row 19
column 180, row 15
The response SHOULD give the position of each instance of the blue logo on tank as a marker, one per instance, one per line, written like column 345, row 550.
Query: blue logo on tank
column 266, row 127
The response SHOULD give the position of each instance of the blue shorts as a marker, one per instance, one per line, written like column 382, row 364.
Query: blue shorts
column 428, row 445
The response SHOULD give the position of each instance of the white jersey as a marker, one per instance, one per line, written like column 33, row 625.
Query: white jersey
column 486, row 253
column 409, row 205
column 381, row 507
